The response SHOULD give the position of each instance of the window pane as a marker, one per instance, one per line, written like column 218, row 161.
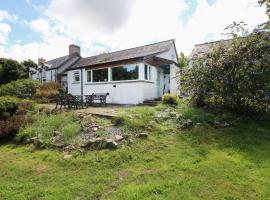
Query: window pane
column 150, row 73
column 88, row 76
column 125, row 73
column 76, row 76
column 145, row 72
column 100, row 75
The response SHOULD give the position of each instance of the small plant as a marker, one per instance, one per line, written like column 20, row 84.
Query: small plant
column 170, row 99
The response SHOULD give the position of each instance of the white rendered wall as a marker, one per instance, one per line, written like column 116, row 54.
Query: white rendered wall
column 121, row 92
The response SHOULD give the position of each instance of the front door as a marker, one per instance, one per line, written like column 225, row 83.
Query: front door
column 166, row 83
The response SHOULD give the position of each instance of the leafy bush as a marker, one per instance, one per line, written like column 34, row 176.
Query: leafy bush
column 11, row 125
column 22, row 88
column 8, row 106
column 13, row 114
column 235, row 78
column 47, row 92
column 170, row 99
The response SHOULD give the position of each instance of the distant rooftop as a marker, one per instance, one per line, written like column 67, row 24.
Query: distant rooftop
column 203, row 49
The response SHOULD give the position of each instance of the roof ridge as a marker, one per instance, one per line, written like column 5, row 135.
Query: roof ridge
column 222, row 40
column 130, row 48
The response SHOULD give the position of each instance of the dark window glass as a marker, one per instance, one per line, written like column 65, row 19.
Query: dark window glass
column 100, row 75
column 125, row 73
column 76, row 76
column 145, row 72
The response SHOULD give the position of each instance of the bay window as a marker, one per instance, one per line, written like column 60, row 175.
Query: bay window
column 147, row 72
column 129, row 72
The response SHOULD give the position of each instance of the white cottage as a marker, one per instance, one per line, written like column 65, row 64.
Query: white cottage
column 130, row 76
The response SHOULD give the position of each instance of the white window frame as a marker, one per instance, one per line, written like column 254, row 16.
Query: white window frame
column 91, row 78
column 148, row 72
column 74, row 79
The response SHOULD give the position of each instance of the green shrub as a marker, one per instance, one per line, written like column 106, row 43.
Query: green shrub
column 12, row 125
column 170, row 99
column 23, row 88
column 47, row 92
column 8, row 106
column 235, row 78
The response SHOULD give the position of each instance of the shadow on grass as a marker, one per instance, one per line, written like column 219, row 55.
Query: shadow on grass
column 251, row 138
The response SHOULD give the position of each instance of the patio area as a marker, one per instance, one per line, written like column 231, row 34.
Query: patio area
column 108, row 111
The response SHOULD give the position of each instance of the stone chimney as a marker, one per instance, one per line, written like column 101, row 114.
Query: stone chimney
column 41, row 61
column 74, row 49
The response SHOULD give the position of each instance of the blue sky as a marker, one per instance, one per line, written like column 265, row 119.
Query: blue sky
column 45, row 28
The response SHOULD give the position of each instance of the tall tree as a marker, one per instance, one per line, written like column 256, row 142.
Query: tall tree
column 267, row 4
column 10, row 70
column 183, row 60
column 27, row 65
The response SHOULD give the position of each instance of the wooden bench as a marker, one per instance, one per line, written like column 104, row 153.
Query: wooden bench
column 96, row 98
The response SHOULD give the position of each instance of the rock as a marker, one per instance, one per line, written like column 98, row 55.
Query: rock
column 173, row 114
column 111, row 144
column 95, row 129
column 142, row 135
column 57, row 133
column 38, row 143
column 69, row 148
column 118, row 137
column 58, row 145
column 68, row 156
column 94, row 143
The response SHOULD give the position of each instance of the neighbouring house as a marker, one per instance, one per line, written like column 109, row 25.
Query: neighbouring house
column 130, row 76
column 55, row 70
column 201, row 50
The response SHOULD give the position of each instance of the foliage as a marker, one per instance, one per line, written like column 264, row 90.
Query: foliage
column 236, row 78
column 8, row 106
column 11, row 125
column 13, row 114
column 45, row 126
column 267, row 4
column 11, row 70
column 23, row 88
column 170, row 99
column 47, row 92
column 28, row 64
column 183, row 60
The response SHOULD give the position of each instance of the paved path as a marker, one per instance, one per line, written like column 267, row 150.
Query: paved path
column 108, row 111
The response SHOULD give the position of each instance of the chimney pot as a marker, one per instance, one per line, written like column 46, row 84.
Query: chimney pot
column 41, row 61
column 74, row 49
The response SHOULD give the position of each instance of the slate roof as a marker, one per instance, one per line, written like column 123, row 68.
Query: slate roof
column 58, row 62
column 126, row 54
column 200, row 50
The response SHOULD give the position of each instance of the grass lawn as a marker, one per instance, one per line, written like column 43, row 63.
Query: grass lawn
column 203, row 162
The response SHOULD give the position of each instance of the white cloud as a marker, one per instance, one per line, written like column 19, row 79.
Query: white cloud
column 151, row 20
column 4, row 26
column 211, row 20
column 118, row 24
